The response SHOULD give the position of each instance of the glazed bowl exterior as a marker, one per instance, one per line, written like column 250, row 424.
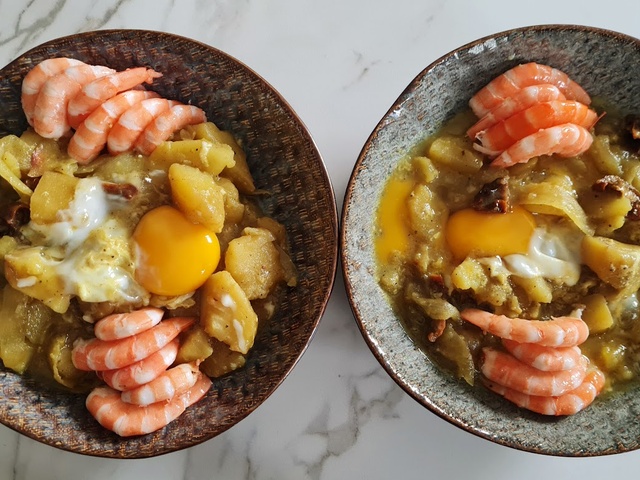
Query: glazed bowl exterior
column 605, row 63
column 284, row 161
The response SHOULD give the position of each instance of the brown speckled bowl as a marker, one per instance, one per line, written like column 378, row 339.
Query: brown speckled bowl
column 606, row 64
column 284, row 161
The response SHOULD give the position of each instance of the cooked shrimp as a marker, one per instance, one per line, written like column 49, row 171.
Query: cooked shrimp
column 558, row 332
column 522, row 76
column 566, row 140
column 548, row 359
column 94, row 93
column 505, row 369
column 165, row 124
column 133, row 121
column 37, row 76
column 142, row 371
column 568, row 403
column 96, row 354
column 90, row 137
column 164, row 387
column 126, row 419
column 50, row 113
column 121, row 325
column 502, row 135
column 521, row 100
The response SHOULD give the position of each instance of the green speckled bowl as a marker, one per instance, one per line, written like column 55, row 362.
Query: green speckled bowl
column 284, row 161
column 606, row 64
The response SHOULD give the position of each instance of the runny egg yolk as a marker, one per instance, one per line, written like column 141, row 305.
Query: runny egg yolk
column 486, row 234
column 173, row 255
column 391, row 217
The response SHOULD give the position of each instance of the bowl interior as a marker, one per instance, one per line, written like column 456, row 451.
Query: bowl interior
column 284, row 161
column 604, row 63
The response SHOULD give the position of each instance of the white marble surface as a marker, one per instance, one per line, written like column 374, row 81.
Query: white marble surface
column 340, row 63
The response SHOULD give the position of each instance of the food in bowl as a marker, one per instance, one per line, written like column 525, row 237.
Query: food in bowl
column 136, row 263
column 508, row 243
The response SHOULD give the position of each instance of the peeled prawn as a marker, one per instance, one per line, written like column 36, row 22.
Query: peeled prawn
column 94, row 93
column 98, row 355
column 544, row 358
column 91, row 135
column 163, row 126
column 521, row 100
column 133, row 121
column 165, row 386
column 521, row 76
column 36, row 78
column 121, row 325
column 506, row 370
column 568, row 403
column 557, row 332
column 567, row 140
column 105, row 108
column 126, row 419
column 142, row 371
column 504, row 134
column 50, row 113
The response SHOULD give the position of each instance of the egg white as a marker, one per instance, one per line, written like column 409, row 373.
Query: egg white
column 96, row 264
column 86, row 212
column 553, row 254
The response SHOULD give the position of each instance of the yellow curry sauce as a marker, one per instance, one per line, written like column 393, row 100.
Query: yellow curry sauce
column 570, row 238
column 52, row 294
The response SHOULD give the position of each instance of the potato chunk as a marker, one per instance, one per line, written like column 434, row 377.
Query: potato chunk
column 222, row 361
column 197, row 196
column 455, row 152
column 597, row 314
column 205, row 155
column 239, row 173
column 254, row 262
column 20, row 150
column 194, row 346
column 23, row 325
column 233, row 208
column 15, row 156
column 226, row 312
column 32, row 271
column 606, row 210
column 54, row 192
column 538, row 288
column 469, row 275
column 488, row 285
column 615, row 263
column 427, row 213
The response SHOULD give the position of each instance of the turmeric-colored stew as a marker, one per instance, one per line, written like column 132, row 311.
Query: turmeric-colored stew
column 511, row 251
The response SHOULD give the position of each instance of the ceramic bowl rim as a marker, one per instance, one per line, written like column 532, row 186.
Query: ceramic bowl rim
column 350, row 284
column 327, row 283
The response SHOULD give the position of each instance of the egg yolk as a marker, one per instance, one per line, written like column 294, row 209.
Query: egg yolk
column 392, row 215
column 486, row 234
column 173, row 255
